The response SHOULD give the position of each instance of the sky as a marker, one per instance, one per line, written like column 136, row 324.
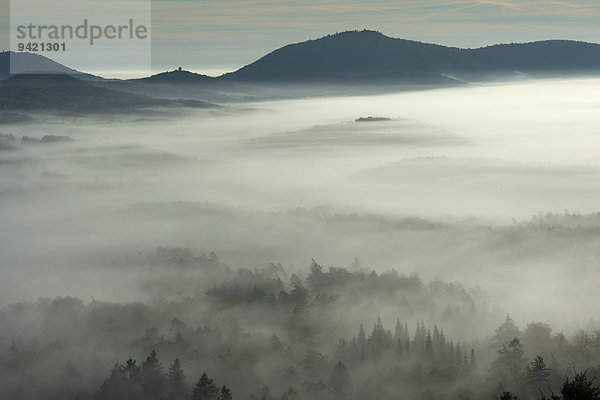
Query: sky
column 219, row 36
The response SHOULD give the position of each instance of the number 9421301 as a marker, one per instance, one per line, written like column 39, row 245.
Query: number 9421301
column 43, row 46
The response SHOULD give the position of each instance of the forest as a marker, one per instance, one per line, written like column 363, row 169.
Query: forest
column 266, row 334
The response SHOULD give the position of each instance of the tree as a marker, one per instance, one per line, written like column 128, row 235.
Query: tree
column 511, row 358
column 131, row 368
column 420, row 336
column 537, row 372
column 134, row 382
column 275, row 343
column 152, row 377
column 225, row 394
column 507, row 370
column 362, row 337
column 580, row 388
column 379, row 339
column 537, row 338
column 339, row 381
column 176, row 386
column 315, row 277
column 113, row 387
column 428, row 346
column 506, row 332
column 205, row 389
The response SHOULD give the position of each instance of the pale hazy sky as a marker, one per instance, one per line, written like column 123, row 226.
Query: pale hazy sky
column 221, row 35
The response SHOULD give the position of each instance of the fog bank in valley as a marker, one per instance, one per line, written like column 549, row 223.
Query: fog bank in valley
column 477, row 201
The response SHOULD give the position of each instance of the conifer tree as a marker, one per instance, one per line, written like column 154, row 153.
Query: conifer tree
column 225, row 394
column 537, row 372
column 114, row 386
column 152, row 377
column 205, row 389
column 506, row 332
column 398, row 331
column 428, row 346
column 509, row 367
column 580, row 388
column 176, row 385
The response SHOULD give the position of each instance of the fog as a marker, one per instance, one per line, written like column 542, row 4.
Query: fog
column 493, row 186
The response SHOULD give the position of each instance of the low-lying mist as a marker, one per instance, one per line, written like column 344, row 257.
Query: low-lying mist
column 493, row 187
column 293, row 180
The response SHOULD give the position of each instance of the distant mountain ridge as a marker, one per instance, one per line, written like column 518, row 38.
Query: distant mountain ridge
column 356, row 56
column 347, row 63
column 360, row 55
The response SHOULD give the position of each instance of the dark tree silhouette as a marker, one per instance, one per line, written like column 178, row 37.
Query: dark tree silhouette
column 225, row 394
column 205, row 389
column 152, row 377
column 537, row 372
column 580, row 388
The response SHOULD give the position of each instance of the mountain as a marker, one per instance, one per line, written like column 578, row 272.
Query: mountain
column 35, row 63
column 372, row 56
column 365, row 56
column 65, row 93
column 347, row 63
column 348, row 55
column 546, row 56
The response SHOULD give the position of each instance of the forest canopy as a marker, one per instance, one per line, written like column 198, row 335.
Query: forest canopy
column 266, row 334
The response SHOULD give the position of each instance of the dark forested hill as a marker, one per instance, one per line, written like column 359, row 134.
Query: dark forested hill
column 65, row 93
column 371, row 55
column 346, row 55
column 549, row 55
